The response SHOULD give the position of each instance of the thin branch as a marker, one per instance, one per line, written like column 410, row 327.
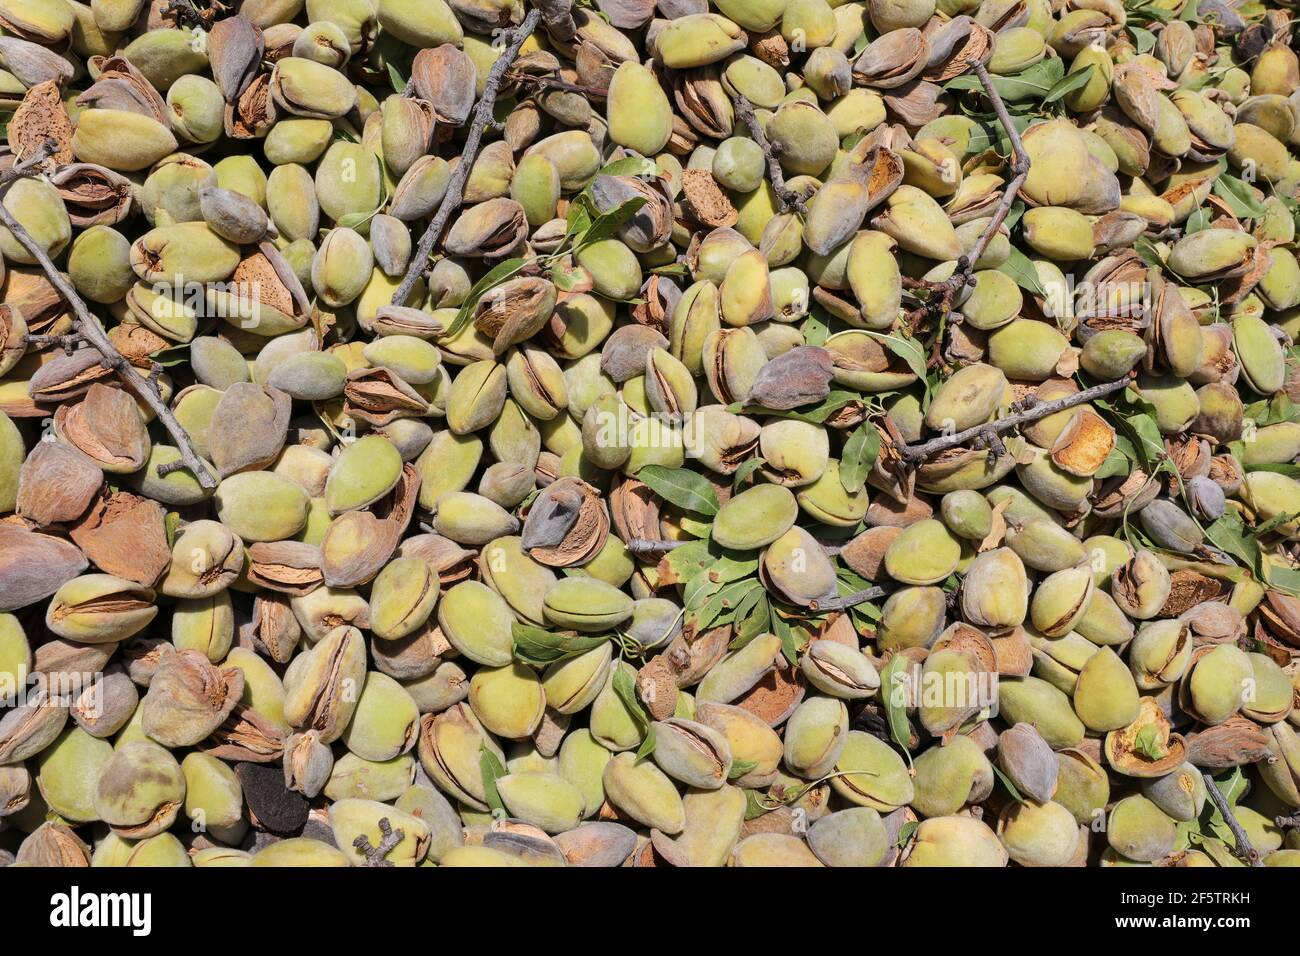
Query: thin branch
column 378, row 855
column 653, row 545
column 850, row 600
column 1019, row 170
column 787, row 197
column 1285, row 822
column 550, row 83
column 1245, row 850
column 30, row 166
column 456, row 188
column 989, row 431
column 942, row 293
column 89, row 329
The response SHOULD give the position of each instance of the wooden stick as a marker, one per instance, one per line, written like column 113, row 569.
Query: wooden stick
column 90, row 330
column 1033, row 413
column 788, row 198
column 1245, row 850
column 456, row 188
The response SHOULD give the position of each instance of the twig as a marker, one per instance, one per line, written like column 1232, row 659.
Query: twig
column 1245, row 850
column 653, row 545
column 990, row 430
column 1019, row 170
column 30, row 165
column 850, row 600
column 456, row 188
column 788, row 198
column 551, row 83
column 89, row 329
column 942, row 293
column 378, row 855
column 1291, row 821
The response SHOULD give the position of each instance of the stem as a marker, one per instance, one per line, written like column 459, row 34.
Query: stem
column 378, row 855
column 1019, row 169
column 653, row 545
column 549, row 83
column 89, row 329
column 850, row 600
column 787, row 197
column 989, row 431
column 1245, row 850
column 456, row 188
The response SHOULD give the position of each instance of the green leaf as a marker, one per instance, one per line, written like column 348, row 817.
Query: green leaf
column 684, row 488
column 816, row 328
column 750, row 619
column 747, row 468
column 625, row 688
column 394, row 77
column 782, row 629
column 1198, row 220
column 1006, row 782
column 1147, row 743
column 533, row 645
column 857, row 457
column 1069, row 83
column 647, row 746
column 893, row 693
column 741, row 767
column 1022, row 270
column 905, row 833
column 495, row 276
column 1238, row 196
column 606, row 224
column 716, row 607
column 1144, row 40
column 908, row 349
column 1116, row 463
column 754, row 807
column 492, row 770
column 632, row 166
column 171, row 524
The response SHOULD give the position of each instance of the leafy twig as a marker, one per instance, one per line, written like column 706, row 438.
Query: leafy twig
column 787, row 197
column 89, row 330
column 1032, row 412
column 1245, row 850
column 456, row 188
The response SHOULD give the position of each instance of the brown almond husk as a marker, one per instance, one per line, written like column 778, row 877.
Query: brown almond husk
column 235, row 49
column 106, row 427
column 1188, row 588
column 379, row 397
column 1234, row 743
column 1084, row 444
column 41, row 116
column 692, row 655
column 587, row 532
column 125, row 535
column 253, row 113
column 274, row 629
column 865, row 554
column 452, row 562
column 245, row 735
column 776, row 694
column 93, row 195
column 56, row 484
column 634, row 509
column 289, row 567
column 705, row 201
column 121, row 86
column 359, row 543
column 68, row 376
